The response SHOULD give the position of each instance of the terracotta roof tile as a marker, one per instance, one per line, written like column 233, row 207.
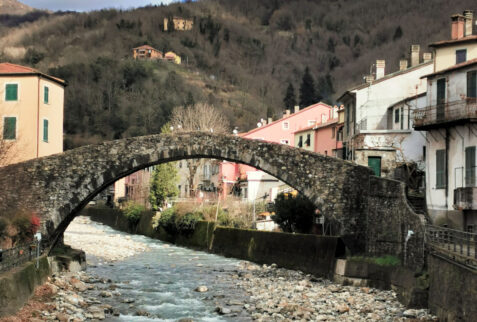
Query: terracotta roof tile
column 454, row 41
column 452, row 68
column 8, row 68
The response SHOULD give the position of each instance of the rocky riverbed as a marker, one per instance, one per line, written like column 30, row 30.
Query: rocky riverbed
column 142, row 280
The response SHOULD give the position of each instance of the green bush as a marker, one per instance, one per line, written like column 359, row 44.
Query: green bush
column 293, row 213
column 167, row 220
column 133, row 213
column 3, row 225
column 187, row 222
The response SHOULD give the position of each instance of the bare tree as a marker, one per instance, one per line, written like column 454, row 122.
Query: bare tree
column 6, row 152
column 199, row 117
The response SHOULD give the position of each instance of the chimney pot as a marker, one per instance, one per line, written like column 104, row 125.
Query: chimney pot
column 369, row 79
column 469, row 21
column 415, row 49
column 270, row 120
column 403, row 64
column 426, row 57
column 296, row 109
column 457, row 30
column 286, row 113
column 380, row 66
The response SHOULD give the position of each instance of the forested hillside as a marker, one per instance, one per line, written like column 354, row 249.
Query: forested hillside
column 240, row 56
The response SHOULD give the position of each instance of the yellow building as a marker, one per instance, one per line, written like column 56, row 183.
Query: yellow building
column 180, row 24
column 173, row 57
column 31, row 108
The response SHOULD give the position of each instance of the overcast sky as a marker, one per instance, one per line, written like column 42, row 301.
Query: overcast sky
column 87, row 5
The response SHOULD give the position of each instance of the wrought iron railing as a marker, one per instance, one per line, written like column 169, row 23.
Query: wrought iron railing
column 18, row 255
column 446, row 112
column 457, row 245
column 465, row 177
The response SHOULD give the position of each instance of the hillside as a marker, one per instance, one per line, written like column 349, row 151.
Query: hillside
column 240, row 56
column 13, row 7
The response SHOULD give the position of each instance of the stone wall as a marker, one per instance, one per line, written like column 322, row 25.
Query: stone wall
column 388, row 221
column 452, row 290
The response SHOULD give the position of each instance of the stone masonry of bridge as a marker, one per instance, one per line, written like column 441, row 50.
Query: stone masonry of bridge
column 57, row 187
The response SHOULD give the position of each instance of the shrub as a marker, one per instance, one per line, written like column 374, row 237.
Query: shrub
column 167, row 220
column 133, row 212
column 293, row 213
column 22, row 222
column 186, row 223
column 3, row 225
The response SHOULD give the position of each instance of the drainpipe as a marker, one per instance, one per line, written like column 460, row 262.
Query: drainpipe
column 447, row 166
column 38, row 120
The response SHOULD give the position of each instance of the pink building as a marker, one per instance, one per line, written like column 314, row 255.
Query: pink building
column 256, row 184
column 320, row 138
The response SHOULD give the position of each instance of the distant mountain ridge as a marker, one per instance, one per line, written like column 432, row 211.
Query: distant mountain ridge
column 14, row 7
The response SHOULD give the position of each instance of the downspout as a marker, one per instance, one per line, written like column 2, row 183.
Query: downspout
column 38, row 120
column 447, row 166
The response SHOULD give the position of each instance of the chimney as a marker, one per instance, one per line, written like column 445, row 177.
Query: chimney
column 380, row 65
column 469, row 21
column 403, row 64
column 369, row 79
column 457, row 31
column 426, row 57
column 264, row 121
column 270, row 120
column 415, row 49
column 297, row 109
column 286, row 113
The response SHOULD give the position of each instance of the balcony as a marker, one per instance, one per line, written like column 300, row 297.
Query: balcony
column 447, row 114
column 465, row 192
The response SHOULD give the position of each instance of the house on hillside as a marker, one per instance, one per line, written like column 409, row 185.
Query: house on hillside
column 253, row 184
column 180, row 24
column 322, row 137
column 377, row 125
column 173, row 57
column 450, row 121
column 146, row 52
column 31, row 109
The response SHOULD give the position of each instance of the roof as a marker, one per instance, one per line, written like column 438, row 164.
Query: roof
column 318, row 126
column 285, row 118
column 407, row 99
column 384, row 78
column 450, row 42
column 453, row 68
column 8, row 69
column 146, row 47
column 170, row 54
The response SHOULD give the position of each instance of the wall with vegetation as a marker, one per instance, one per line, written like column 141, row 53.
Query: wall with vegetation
column 17, row 286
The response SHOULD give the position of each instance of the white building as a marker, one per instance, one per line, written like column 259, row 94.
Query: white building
column 377, row 127
column 450, row 120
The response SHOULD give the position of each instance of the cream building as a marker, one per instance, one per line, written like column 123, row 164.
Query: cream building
column 31, row 108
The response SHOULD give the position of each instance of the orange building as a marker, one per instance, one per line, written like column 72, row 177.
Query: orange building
column 31, row 111
column 146, row 52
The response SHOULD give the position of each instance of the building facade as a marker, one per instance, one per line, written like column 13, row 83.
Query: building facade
column 180, row 24
column 377, row 128
column 32, row 109
column 450, row 121
column 146, row 52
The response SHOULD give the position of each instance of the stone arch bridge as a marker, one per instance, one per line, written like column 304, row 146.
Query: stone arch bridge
column 372, row 213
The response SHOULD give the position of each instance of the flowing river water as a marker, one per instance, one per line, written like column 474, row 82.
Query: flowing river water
column 161, row 280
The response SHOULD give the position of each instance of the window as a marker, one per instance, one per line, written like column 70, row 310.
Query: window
column 45, row 130
column 472, row 84
column 179, row 187
column 46, row 95
column 396, row 115
column 308, row 140
column 284, row 141
column 285, row 125
column 333, row 129
column 424, row 153
column 470, row 166
column 9, row 128
column 11, row 92
column 326, row 152
column 460, row 56
column 300, row 141
column 441, row 169
column 470, row 229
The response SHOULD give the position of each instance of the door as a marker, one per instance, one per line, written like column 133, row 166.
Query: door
column 375, row 164
column 441, row 99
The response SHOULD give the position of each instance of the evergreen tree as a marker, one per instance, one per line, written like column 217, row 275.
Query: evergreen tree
column 290, row 99
column 307, row 89
column 163, row 184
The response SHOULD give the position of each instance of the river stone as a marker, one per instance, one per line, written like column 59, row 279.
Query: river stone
column 223, row 310
column 201, row 289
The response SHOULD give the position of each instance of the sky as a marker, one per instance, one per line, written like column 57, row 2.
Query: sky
column 88, row 5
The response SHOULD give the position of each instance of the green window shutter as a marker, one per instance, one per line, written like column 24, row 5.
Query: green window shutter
column 11, row 92
column 472, row 84
column 9, row 128
column 440, row 169
column 470, row 166
column 45, row 130
column 375, row 164
column 46, row 96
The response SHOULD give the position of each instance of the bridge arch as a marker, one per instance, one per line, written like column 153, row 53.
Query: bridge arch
column 59, row 186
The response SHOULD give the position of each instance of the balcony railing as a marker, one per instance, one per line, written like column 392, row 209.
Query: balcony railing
column 457, row 245
column 465, row 177
column 446, row 112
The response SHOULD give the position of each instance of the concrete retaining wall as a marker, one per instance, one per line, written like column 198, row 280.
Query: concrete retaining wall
column 452, row 290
